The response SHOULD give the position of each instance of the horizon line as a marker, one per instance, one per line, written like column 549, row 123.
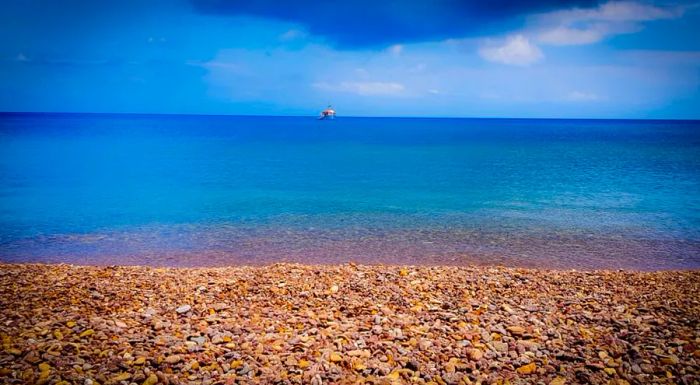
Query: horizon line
column 175, row 114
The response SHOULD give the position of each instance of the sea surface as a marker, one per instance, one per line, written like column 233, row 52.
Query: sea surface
column 172, row 190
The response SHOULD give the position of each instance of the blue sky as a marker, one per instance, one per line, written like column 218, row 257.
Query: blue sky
column 582, row 59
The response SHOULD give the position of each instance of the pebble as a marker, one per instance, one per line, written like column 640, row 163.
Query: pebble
column 558, row 381
column 475, row 354
column 120, row 324
column 183, row 309
column 415, row 324
column 174, row 359
column 336, row 357
column 500, row 346
column 527, row 369
column 151, row 380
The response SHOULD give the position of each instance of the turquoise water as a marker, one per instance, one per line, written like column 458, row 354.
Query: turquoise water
column 217, row 190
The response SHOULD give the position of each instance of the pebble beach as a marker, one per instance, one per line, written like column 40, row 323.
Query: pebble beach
column 338, row 324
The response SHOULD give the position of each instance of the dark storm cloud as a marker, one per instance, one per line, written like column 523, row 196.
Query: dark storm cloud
column 367, row 23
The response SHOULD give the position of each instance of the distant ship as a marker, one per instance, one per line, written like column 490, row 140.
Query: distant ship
column 328, row 113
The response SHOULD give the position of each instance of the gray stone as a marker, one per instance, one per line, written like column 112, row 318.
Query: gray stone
column 183, row 309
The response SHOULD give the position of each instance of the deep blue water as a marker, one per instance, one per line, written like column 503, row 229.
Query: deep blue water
column 214, row 190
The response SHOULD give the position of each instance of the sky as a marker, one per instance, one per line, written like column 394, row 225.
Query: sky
column 434, row 58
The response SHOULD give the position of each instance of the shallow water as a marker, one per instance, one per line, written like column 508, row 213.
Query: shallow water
column 216, row 190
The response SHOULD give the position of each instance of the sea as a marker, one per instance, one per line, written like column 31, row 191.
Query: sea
column 187, row 190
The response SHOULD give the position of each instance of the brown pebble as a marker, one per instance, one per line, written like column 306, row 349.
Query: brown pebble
column 285, row 323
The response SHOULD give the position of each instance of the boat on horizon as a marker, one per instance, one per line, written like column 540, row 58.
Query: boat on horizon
column 328, row 113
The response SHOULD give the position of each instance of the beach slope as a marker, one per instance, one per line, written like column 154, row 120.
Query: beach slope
column 285, row 323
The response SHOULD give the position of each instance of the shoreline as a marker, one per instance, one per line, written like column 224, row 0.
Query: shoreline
column 349, row 323
column 352, row 263
column 214, row 246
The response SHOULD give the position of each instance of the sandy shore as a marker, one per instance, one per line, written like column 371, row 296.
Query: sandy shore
column 285, row 323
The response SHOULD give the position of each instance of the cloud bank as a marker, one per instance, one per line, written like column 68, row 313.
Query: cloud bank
column 369, row 23
column 515, row 50
column 579, row 26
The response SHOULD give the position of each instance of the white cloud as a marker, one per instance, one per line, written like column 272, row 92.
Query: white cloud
column 632, row 11
column 395, row 49
column 581, row 96
column 516, row 50
column 292, row 34
column 363, row 88
column 21, row 57
column 586, row 26
column 563, row 35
